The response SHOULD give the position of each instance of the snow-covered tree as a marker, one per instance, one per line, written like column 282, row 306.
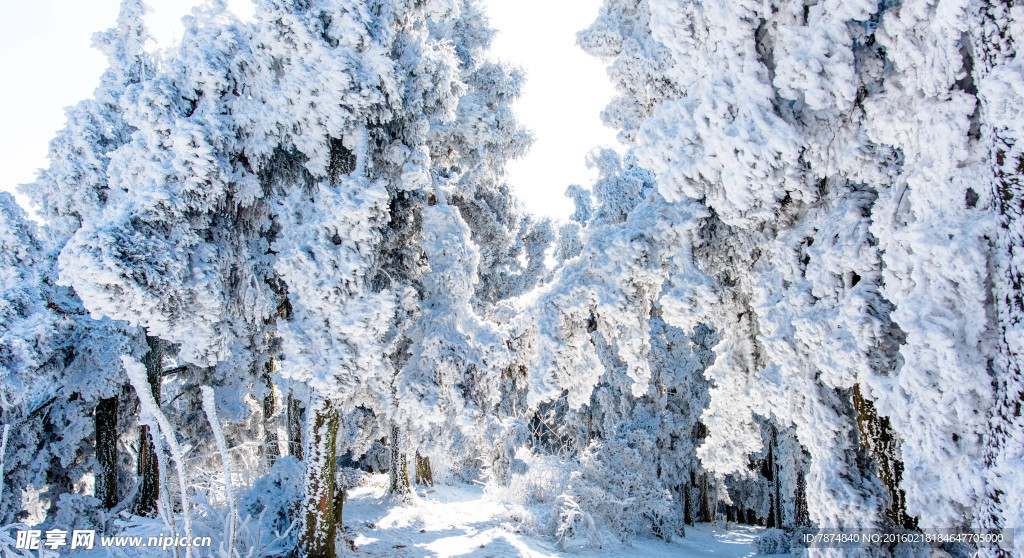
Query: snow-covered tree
column 176, row 247
column 456, row 357
column 72, row 190
column 75, row 187
column 997, row 76
column 841, row 151
column 63, row 414
column 353, row 117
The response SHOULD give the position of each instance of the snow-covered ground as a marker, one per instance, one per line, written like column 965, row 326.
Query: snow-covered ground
column 463, row 520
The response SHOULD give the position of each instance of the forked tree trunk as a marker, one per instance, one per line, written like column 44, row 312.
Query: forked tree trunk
column 149, row 469
column 294, row 427
column 320, row 516
column 106, row 452
column 271, row 449
column 399, row 467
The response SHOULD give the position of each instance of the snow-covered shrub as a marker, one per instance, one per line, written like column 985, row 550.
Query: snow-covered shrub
column 78, row 511
column 376, row 459
column 772, row 541
column 501, row 458
column 572, row 526
column 544, row 478
column 275, row 496
column 616, row 493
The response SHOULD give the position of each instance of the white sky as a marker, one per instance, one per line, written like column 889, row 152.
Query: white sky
column 47, row 64
column 563, row 98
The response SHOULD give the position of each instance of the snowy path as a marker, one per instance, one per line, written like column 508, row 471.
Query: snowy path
column 462, row 521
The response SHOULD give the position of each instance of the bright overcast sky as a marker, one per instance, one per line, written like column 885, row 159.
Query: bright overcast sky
column 47, row 64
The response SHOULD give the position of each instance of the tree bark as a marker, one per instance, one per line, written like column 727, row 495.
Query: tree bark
column 424, row 476
column 320, row 516
column 294, row 427
column 704, row 500
column 106, row 451
column 271, row 448
column 399, row 467
column 681, row 498
column 774, row 501
column 148, row 469
column 877, row 435
column 995, row 46
column 339, row 504
column 778, row 500
column 688, row 503
column 801, row 517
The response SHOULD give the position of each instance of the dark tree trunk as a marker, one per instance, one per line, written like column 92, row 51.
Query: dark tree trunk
column 106, row 452
column 688, row 504
column 778, row 500
column 271, row 449
column 149, row 470
column 774, row 502
column 680, row 489
column 339, row 504
column 704, row 502
column 294, row 427
column 801, row 516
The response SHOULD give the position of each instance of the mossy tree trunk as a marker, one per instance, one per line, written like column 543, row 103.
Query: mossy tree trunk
column 877, row 435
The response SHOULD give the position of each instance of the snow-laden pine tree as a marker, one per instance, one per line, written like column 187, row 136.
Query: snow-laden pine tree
column 997, row 76
column 176, row 247
column 63, row 416
column 26, row 339
column 458, row 111
column 161, row 254
column 456, row 357
column 75, row 186
column 609, row 287
column 855, row 183
column 609, row 379
column 353, row 119
column 73, row 189
column 273, row 176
